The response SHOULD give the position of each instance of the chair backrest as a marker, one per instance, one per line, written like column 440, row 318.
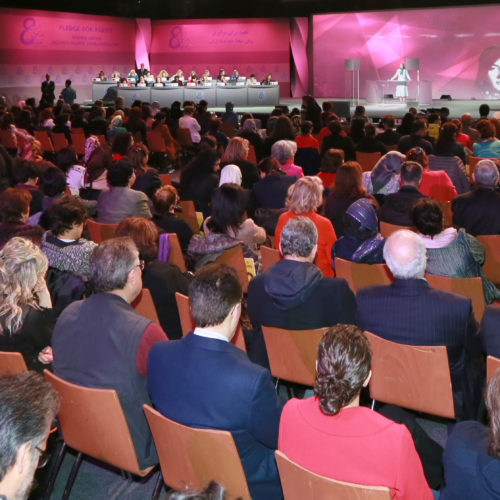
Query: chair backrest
column 299, row 483
column 144, row 305
column 447, row 213
column 473, row 160
column 176, row 257
column 233, row 257
column 59, row 140
column 12, row 363
column 78, row 142
column 45, row 141
column 155, row 142
column 468, row 287
column 367, row 160
column 386, row 228
column 184, row 137
column 102, row 139
column 228, row 129
column 92, row 422
column 251, row 154
column 269, row 256
column 8, row 139
column 190, row 458
column 492, row 365
column 359, row 275
column 292, row 353
column 165, row 180
column 188, row 214
column 491, row 266
column 414, row 377
column 100, row 232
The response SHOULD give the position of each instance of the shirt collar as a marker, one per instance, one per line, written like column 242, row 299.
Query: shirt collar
column 209, row 334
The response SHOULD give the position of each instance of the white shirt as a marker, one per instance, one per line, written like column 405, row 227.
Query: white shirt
column 209, row 334
column 190, row 123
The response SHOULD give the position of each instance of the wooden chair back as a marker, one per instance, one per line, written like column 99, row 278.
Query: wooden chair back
column 491, row 266
column 190, row 458
column 414, row 377
column 165, row 180
column 386, row 228
column 176, row 256
column 359, row 275
column 251, row 154
column 269, row 256
column 367, row 160
column 92, row 422
column 59, row 140
column 100, row 232
column 188, row 215
column 468, row 287
column 8, row 139
column 45, row 142
column 144, row 305
column 473, row 161
column 299, row 483
column 228, row 129
column 233, row 257
column 155, row 142
column 78, row 142
column 292, row 353
column 447, row 213
column 102, row 139
column 492, row 365
column 184, row 138
column 12, row 363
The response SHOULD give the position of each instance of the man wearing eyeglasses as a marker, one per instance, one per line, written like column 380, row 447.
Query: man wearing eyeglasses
column 28, row 404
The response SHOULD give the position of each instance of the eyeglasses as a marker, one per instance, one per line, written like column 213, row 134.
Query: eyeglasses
column 43, row 459
column 139, row 265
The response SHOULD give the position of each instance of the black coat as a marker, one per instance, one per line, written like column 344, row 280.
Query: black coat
column 397, row 206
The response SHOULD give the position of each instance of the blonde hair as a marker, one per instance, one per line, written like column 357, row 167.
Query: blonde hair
column 22, row 264
column 237, row 149
column 306, row 195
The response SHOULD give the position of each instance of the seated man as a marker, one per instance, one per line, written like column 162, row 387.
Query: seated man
column 397, row 206
column 409, row 311
column 479, row 210
column 331, row 435
column 416, row 138
column 28, row 404
column 293, row 293
column 203, row 380
column 102, row 342
column 389, row 136
column 120, row 201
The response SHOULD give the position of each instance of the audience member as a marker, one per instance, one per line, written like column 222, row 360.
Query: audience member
column 312, row 112
column 468, row 129
column 284, row 151
column 447, row 144
column 384, row 177
column 488, row 146
column 388, row 137
column 26, row 174
column 189, row 122
column 416, row 138
column 236, row 153
column 369, row 143
column 67, row 161
column 229, row 116
column 338, row 141
column 330, row 163
column 147, row 178
column 203, row 380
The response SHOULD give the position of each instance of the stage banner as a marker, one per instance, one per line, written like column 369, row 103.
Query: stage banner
column 458, row 49
column 65, row 45
column 258, row 46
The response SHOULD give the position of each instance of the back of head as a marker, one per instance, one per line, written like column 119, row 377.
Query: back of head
column 298, row 237
column 121, row 143
column 14, row 204
column 332, row 159
column 405, row 254
column 388, row 121
column 427, row 216
column 66, row 158
column 144, row 233
column 370, row 130
column 306, row 196
column 418, row 125
column 28, row 404
column 214, row 291
column 111, row 262
column 486, row 129
column 119, row 173
column 228, row 208
column 484, row 110
column 269, row 165
column 237, row 149
column 65, row 213
column 418, row 155
column 348, row 181
column 284, row 150
column 493, row 405
column 164, row 198
column 486, row 173
column 306, row 127
column 230, row 174
column 343, row 365
column 411, row 173
column 334, row 127
column 53, row 182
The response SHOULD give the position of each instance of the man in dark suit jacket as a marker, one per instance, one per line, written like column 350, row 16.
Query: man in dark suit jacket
column 416, row 138
column 204, row 381
column 409, row 311
column 490, row 331
column 397, row 206
column 293, row 293
column 141, row 71
column 479, row 210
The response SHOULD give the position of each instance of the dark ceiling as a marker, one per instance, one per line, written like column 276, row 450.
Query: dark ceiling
column 170, row 9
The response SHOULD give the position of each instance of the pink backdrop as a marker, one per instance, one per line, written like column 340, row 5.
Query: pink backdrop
column 257, row 46
column 448, row 43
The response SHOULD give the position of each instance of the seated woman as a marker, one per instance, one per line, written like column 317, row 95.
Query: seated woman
column 147, row 178
column 450, row 252
column 488, row 146
column 165, row 203
column 26, row 316
column 361, row 241
column 160, row 126
column 236, row 153
column 193, row 78
column 67, row 161
column 160, row 278
column 284, row 151
column 471, row 457
column 163, row 74
column 447, row 144
column 225, row 228
column 331, row 161
column 63, row 243
column 96, row 160
column 331, row 435
column 384, row 178
column 132, row 75
column 267, row 79
column 305, row 199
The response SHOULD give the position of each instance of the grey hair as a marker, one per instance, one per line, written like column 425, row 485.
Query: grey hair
column 405, row 254
column 283, row 150
column 298, row 237
column 486, row 173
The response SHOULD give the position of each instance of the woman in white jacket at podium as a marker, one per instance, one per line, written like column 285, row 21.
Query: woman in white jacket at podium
column 402, row 76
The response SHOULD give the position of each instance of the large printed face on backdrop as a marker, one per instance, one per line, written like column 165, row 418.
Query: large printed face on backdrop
column 494, row 74
column 488, row 74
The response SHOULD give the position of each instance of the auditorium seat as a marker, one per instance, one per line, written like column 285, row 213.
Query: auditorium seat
column 491, row 266
column 359, row 275
column 46, row 143
column 367, row 160
column 386, row 228
column 144, row 305
column 59, row 140
column 12, row 363
column 99, row 231
column 492, row 365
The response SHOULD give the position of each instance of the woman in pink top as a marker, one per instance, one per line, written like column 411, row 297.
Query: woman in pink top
column 284, row 151
column 331, row 435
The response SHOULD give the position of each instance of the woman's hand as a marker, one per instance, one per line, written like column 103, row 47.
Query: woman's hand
column 46, row 356
column 43, row 294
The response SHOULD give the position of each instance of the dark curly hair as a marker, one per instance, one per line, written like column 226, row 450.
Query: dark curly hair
column 344, row 360
column 64, row 213
column 427, row 216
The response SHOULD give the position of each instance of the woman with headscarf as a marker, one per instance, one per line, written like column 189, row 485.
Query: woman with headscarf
column 384, row 178
column 361, row 241
column 230, row 174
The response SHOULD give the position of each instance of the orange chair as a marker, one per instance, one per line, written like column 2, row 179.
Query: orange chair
column 188, row 215
column 144, row 305
column 233, row 257
column 447, row 213
column 155, row 142
column 492, row 365
column 468, row 287
column 367, row 160
column 269, row 256
column 414, row 377
column 93, row 424
column 78, row 142
column 251, row 154
column 190, row 458
column 102, row 140
column 46, row 143
column 299, row 483
column 184, row 138
column 473, row 160
column 12, row 363
column 228, row 129
column 491, row 266
column 59, row 140
column 292, row 353
column 386, row 228
column 8, row 139
column 176, row 256
column 359, row 275
column 100, row 232
column 165, row 180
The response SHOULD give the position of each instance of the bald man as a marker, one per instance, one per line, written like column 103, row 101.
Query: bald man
column 409, row 311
